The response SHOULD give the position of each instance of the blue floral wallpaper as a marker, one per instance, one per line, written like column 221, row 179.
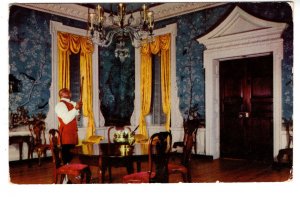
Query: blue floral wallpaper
column 30, row 60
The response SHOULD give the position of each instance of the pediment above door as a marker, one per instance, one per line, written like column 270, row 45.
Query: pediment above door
column 240, row 28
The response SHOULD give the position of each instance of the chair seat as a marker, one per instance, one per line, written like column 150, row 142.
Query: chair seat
column 72, row 169
column 172, row 168
column 139, row 177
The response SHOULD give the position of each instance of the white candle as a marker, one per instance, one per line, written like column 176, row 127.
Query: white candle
column 144, row 8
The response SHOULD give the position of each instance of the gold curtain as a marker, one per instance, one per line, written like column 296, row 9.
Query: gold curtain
column 86, row 71
column 165, row 44
column 160, row 44
column 63, row 45
column 146, row 81
column 67, row 44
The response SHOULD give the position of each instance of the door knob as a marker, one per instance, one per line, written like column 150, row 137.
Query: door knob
column 241, row 115
column 244, row 114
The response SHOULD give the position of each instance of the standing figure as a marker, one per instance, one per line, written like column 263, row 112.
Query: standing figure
column 67, row 111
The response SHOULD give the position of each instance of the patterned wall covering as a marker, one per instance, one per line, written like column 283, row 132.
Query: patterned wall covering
column 30, row 60
column 189, row 59
column 116, row 86
column 189, row 52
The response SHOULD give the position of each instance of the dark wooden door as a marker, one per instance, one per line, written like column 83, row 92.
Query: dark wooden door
column 246, row 106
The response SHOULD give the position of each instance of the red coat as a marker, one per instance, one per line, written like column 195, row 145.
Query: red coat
column 68, row 132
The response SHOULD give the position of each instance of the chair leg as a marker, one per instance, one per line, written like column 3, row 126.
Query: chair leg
column 100, row 175
column 62, row 177
column 39, row 158
column 88, row 175
column 189, row 178
column 82, row 177
column 109, row 174
column 54, row 177
column 184, row 177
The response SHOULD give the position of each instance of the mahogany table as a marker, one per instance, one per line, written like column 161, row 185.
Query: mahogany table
column 102, row 154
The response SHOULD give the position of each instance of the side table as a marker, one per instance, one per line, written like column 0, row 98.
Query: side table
column 19, row 139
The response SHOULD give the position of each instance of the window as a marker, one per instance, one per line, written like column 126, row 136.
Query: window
column 176, row 118
column 157, row 115
column 51, row 119
column 75, row 81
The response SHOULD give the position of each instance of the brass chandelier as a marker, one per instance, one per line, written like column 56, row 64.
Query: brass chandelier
column 104, row 29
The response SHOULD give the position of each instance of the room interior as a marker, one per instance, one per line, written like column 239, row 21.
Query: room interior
column 211, row 46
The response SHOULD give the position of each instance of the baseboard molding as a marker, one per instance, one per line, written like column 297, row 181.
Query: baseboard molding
column 30, row 162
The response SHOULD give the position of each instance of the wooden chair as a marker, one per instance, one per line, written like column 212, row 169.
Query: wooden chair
column 184, row 167
column 38, row 142
column 112, row 133
column 80, row 172
column 159, row 147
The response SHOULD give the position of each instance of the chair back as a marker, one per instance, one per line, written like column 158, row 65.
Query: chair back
column 159, row 148
column 188, row 143
column 55, row 146
column 37, row 131
column 120, row 132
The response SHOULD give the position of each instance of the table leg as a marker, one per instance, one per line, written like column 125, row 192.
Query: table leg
column 138, row 166
column 21, row 150
column 102, row 169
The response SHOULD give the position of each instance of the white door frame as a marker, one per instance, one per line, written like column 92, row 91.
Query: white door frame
column 240, row 35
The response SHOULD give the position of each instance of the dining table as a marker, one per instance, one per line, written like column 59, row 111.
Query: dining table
column 103, row 153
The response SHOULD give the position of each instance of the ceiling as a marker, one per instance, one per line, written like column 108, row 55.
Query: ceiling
column 79, row 11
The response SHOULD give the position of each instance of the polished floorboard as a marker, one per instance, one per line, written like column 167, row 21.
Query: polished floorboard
column 203, row 171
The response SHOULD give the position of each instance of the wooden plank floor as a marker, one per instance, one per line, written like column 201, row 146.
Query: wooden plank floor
column 203, row 171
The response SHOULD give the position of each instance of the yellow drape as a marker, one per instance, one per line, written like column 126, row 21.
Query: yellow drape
column 68, row 43
column 165, row 42
column 162, row 44
column 86, row 71
column 146, row 81
column 63, row 45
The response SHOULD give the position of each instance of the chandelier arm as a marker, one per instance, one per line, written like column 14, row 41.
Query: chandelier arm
column 109, row 37
column 135, row 32
column 132, row 39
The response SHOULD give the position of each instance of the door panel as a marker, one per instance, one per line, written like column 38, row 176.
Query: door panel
column 246, row 106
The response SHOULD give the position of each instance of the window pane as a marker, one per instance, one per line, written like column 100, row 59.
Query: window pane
column 158, row 117
column 75, row 80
